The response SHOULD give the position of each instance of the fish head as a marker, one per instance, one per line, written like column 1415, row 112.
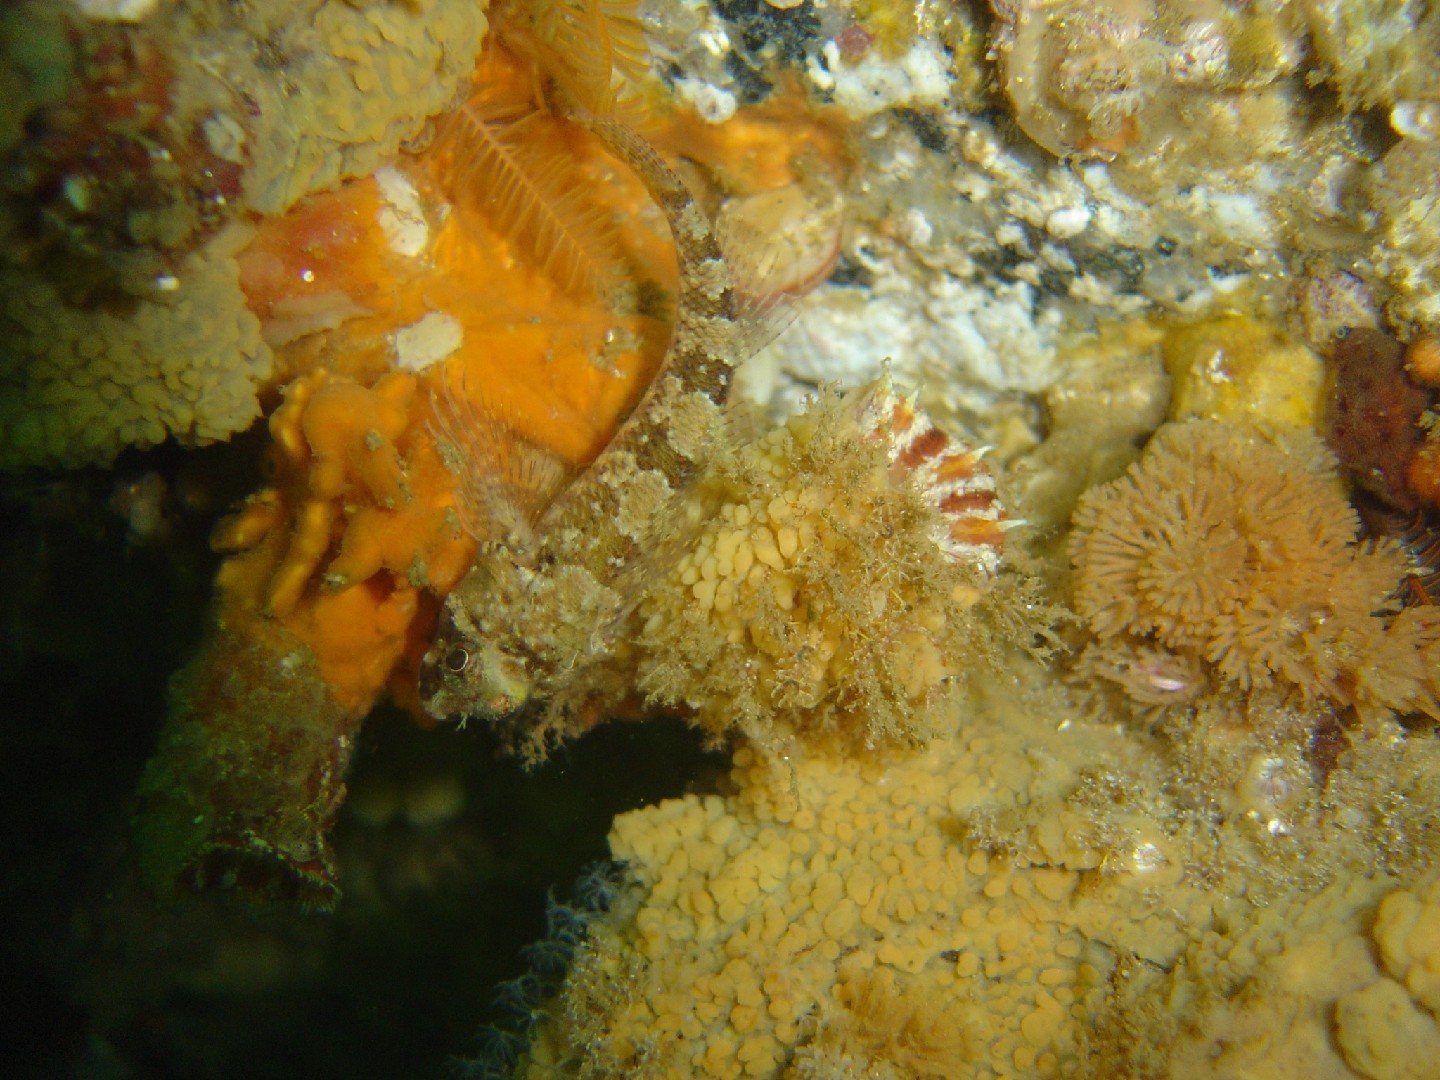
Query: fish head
column 474, row 667
column 463, row 676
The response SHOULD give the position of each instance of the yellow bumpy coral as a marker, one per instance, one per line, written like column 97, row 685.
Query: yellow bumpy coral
column 838, row 577
column 359, row 79
column 824, row 922
column 1388, row 1027
column 82, row 384
column 1407, row 929
column 978, row 909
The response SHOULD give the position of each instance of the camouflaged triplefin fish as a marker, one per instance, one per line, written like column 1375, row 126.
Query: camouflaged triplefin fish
column 532, row 632
column 545, row 597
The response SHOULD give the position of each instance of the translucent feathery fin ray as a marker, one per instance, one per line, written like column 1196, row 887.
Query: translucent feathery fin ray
column 593, row 51
column 503, row 485
column 523, row 182
column 763, row 308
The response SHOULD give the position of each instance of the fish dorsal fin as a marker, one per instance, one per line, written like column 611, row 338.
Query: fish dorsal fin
column 763, row 308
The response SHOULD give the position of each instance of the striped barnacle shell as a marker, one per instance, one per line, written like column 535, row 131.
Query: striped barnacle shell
column 972, row 523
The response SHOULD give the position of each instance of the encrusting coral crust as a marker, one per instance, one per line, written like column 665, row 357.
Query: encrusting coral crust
column 823, row 922
column 159, row 344
column 360, row 79
column 1224, row 561
column 1021, row 899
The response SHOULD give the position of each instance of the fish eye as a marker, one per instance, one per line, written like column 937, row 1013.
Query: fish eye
column 457, row 659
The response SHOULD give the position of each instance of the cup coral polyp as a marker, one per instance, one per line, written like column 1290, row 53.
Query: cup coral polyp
column 1223, row 560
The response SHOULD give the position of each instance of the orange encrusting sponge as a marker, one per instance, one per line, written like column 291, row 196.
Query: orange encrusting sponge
column 328, row 596
column 357, row 525
column 337, row 568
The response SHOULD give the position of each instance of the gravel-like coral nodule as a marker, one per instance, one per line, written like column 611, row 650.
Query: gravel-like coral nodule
column 1223, row 560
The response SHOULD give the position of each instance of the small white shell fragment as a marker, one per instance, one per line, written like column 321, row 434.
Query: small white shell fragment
column 1067, row 221
column 714, row 104
column 432, row 339
column 915, row 228
column 819, row 67
column 117, row 10
column 225, row 137
column 917, row 79
column 1417, row 120
column 402, row 219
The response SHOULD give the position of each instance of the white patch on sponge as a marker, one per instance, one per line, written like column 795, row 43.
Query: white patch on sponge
column 432, row 339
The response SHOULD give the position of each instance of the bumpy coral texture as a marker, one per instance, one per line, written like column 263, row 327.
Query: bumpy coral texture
column 1011, row 902
column 335, row 90
column 1221, row 560
column 1377, row 52
column 1292, row 991
column 826, row 593
column 825, row 922
column 1407, row 229
column 359, row 79
column 1113, row 78
column 84, row 383
column 1407, row 929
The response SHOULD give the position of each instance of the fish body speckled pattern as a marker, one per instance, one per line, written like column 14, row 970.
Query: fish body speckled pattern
column 532, row 613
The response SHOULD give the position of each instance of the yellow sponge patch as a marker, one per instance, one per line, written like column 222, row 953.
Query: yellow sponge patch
column 359, row 79
column 92, row 381
column 1025, row 898
column 833, row 918
column 1407, row 929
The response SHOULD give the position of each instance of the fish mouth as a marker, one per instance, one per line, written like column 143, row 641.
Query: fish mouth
column 436, row 698
column 430, row 681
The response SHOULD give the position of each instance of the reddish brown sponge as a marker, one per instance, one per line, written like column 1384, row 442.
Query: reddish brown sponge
column 1372, row 417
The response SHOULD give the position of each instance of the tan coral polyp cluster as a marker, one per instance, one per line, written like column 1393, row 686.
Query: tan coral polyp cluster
column 759, row 555
column 1017, row 900
column 814, row 599
column 82, row 383
column 359, row 79
column 1388, row 1028
column 1407, row 930
column 826, row 916
column 1225, row 548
